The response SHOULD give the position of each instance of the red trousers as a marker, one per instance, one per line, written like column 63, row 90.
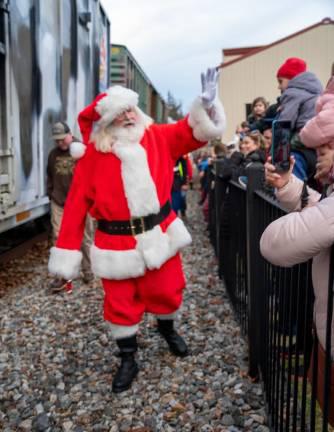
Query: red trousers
column 158, row 292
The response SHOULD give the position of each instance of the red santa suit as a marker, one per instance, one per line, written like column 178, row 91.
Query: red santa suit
column 140, row 272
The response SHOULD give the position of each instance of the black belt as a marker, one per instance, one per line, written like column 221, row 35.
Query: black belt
column 134, row 226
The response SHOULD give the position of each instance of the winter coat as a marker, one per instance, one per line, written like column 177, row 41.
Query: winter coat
column 299, row 99
column 228, row 166
column 132, row 181
column 254, row 121
column 320, row 129
column 301, row 235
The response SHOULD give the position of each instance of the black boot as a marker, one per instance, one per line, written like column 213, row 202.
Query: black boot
column 128, row 369
column 175, row 342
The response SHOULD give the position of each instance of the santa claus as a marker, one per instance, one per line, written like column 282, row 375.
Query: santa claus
column 124, row 180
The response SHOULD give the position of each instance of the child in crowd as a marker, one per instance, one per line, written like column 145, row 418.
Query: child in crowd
column 259, row 107
column 180, row 186
column 300, row 90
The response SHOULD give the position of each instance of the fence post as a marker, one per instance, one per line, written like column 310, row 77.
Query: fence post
column 219, row 194
column 254, row 279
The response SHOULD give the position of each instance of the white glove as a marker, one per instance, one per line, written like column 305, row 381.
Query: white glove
column 209, row 87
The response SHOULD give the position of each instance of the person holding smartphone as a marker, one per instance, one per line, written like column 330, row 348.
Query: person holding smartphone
column 299, row 92
column 308, row 232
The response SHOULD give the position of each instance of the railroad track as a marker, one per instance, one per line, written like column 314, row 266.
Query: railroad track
column 16, row 243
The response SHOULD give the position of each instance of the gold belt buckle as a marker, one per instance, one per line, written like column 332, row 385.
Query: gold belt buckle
column 133, row 226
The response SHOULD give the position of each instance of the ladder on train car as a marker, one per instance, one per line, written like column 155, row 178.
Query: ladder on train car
column 5, row 151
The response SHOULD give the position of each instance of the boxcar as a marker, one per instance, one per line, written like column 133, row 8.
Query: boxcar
column 126, row 71
column 54, row 59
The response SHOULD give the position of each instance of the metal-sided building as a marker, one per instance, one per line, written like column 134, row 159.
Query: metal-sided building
column 54, row 59
column 250, row 72
column 126, row 71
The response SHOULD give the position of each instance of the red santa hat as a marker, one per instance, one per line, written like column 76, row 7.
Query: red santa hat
column 291, row 67
column 105, row 108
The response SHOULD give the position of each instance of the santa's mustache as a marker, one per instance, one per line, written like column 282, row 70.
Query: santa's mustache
column 129, row 123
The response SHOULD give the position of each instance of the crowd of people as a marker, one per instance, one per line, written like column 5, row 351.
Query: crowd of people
column 305, row 190
column 252, row 141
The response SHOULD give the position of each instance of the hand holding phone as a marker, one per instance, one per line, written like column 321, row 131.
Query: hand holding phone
column 275, row 179
column 280, row 148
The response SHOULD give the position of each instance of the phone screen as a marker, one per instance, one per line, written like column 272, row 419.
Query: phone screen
column 280, row 150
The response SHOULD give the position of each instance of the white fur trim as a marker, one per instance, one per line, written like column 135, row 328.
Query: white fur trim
column 65, row 262
column 172, row 316
column 179, row 236
column 114, row 264
column 154, row 247
column 120, row 332
column 77, row 149
column 140, row 190
column 117, row 100
column 204, row 127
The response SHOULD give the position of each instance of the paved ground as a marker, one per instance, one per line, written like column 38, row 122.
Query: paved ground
column 57, row 359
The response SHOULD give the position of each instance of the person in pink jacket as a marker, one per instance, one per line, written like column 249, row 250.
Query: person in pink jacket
column 308, row 233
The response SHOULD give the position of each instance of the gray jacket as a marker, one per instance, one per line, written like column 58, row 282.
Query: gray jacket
column 298, row 100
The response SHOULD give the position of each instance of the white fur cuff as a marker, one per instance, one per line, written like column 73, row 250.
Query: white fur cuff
column 65, row 262
column 120, row 332
column 172, row 316
column 205, row 127
column 179, row 236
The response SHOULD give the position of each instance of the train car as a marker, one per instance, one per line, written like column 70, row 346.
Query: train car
column 54, row 59
column 126, row 71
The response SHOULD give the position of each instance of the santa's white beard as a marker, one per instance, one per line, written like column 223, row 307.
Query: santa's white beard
column 105, row 138
column 128, row 134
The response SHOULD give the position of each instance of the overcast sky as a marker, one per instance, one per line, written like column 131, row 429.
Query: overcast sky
column 174, row 40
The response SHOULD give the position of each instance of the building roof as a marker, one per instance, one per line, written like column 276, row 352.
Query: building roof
column 239, row 51
column 249, row 51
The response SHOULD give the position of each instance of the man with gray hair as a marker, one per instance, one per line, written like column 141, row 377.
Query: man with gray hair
column 124, row 180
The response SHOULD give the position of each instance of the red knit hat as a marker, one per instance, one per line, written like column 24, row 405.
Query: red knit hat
column 291, row 67
column 105, row 108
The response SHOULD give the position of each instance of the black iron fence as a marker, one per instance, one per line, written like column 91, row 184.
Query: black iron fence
column 274, row 307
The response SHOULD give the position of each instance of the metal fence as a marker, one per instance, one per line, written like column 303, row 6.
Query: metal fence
column 274, row 307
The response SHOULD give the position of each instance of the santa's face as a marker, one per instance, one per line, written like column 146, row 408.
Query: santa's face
column 126, row 119
column 127, row 128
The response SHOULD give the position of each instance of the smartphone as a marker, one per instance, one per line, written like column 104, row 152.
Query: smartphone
column 280, row 147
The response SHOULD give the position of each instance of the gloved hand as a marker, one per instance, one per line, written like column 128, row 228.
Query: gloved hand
column 209, row 87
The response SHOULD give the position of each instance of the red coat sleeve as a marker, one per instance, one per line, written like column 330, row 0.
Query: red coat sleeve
column 180, row 138
column 65, row 257
column 76, row 209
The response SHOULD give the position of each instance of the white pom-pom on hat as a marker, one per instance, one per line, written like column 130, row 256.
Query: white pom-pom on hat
column 77, row 149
